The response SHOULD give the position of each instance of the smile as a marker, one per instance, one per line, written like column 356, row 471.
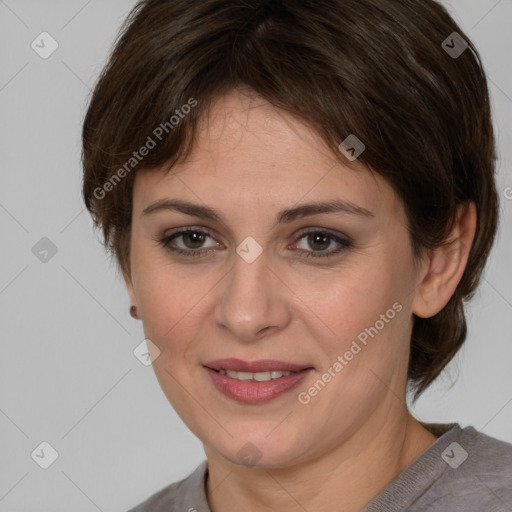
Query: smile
column 257, row 376
column 255, row 382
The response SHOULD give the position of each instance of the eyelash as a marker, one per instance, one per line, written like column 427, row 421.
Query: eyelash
column 344, row 243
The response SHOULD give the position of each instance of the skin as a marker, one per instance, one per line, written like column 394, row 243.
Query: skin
column 347, row 444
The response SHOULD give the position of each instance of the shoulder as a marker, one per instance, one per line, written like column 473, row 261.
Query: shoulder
column 488, row 459
column 477, row 476
column 161, row 501
column 182, row 495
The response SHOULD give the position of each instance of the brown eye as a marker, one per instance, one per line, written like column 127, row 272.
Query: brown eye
column 189, row 242
column 319, row 241
column 315, row 244
column 193, row 239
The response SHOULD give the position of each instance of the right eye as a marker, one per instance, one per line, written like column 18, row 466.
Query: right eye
column 189, row 242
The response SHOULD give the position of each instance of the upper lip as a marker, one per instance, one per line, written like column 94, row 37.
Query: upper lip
column 262, row 365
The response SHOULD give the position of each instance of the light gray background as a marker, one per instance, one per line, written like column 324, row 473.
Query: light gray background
column 68, row 375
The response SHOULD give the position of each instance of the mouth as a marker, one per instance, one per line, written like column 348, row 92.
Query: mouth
column 264, row 369
column 258, row 371
column 257, row 376
column 255, row 381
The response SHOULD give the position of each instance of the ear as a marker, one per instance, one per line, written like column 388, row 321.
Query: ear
column 446, row 265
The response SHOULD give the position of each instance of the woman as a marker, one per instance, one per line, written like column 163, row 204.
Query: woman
column 300, row 196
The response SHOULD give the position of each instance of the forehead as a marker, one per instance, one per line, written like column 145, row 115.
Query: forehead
column 246, row 147
column 242, row 125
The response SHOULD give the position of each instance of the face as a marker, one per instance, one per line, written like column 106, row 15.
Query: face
column 275, row 285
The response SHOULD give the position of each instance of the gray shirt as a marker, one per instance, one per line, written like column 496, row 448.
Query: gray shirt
column 463, row 471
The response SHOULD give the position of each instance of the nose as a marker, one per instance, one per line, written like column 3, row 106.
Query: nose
column 253, row 301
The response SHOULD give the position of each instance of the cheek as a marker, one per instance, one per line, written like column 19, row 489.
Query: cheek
column 364, row 320
column 355, row 298
column 170, row 308
column 164, row 295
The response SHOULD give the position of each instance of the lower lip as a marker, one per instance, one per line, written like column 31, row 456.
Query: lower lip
column 256, row 392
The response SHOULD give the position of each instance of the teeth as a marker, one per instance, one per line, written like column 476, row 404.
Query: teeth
column 257, row 376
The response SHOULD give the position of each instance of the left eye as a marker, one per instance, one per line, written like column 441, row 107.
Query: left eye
column 319, row 241
column 193, row 240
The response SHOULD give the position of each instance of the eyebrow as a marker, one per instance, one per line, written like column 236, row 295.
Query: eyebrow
column 287, row 215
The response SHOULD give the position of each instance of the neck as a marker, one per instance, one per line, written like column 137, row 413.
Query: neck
column 351, row 475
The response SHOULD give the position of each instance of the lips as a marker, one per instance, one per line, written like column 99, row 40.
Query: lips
column 263, row 365
column 257, row 390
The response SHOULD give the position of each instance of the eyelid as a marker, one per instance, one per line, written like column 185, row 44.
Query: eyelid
column 327, row 231
column 344, row 242
column 177, row 232
column 297, row 235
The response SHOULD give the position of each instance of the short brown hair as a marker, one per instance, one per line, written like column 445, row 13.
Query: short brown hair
column 374, row 68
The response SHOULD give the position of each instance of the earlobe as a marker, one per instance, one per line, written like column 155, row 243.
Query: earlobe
column 131, row 293
column 446, row 265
